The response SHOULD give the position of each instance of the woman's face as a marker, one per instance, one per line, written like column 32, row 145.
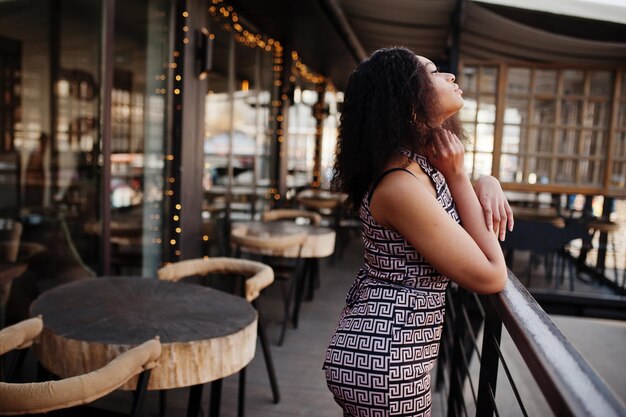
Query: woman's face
column 449, row 95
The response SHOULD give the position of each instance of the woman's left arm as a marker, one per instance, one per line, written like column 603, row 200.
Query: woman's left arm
column 495, row 206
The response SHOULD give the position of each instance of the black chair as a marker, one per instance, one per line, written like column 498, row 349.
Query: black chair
column 546, row 242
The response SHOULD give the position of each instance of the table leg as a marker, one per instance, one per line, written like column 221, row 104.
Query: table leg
column 140, row 393
column 241, row 402
column 195, row 398
column 216, row 397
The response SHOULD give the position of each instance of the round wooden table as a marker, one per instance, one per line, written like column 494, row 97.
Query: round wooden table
column 321, row 199
column 319, row 243
column 205, row 334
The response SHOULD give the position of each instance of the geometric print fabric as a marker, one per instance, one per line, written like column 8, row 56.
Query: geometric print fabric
column 379, row 358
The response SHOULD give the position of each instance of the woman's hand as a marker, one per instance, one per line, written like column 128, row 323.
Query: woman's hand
column 447, row 155
column 495, row 205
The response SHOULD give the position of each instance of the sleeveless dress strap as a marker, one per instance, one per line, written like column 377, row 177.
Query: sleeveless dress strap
column 379, row 179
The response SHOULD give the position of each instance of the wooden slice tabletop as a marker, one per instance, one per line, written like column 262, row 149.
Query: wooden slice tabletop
column 206, row 334
column 319, row 243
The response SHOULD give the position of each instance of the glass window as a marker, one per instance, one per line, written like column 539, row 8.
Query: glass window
column 511, row 138
column 488, row 80
column 544, row 112
column 487, row 109
column 470, row 80
column 468, row 111
column 545, row 81
column 568, row 142
column 50, row 134
column 571, row 112
column 573, row 82
column 238, row 136
column 139, row 134
column 516, row 111
column 518, row 81
column 601, row 83
column 484, row 137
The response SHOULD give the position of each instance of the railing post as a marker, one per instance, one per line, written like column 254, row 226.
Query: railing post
column 455, row 395
column 485, row 403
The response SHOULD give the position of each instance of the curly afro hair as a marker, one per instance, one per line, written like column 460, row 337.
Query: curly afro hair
column 389, row 103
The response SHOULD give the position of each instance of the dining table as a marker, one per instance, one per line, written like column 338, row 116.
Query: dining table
column 206, row 334
column 319, row 243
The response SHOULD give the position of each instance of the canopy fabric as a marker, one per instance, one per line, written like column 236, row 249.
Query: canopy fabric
column 604, row 10
column 486, row 35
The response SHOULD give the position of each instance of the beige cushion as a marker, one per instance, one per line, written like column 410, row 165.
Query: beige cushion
column 20, row 335
column 41, row 397
column 258, row 275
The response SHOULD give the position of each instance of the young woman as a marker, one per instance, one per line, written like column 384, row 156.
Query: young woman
column 400, row 160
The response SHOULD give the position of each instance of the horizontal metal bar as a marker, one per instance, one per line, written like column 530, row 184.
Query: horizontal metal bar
column 569, row 383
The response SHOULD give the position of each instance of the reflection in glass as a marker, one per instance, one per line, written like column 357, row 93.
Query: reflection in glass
column 571, row 112
column 565, row 171
column 573, row 82
column 482, row 165
column 470, row 79
column 516, row 111
column 487, row 109
column 597, row 114
column 601, row 83
column 543, row 139
column 470, row 131
column 518, row 81
column 301, row 147
column 544, row 111
column 49, row 139
column 510, row 166
column 618, row 175
column 237, row 138
column 138, row 136
column 595, row 143
column 468, row 111
column 538, row 171
column 545, row 81
column 568, row 142
column 511, row 138
column 488, row 80
column 484, row 137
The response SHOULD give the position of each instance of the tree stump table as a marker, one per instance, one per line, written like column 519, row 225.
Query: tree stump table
column 205, row 334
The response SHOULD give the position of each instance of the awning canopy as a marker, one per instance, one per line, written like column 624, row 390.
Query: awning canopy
column 333, row 36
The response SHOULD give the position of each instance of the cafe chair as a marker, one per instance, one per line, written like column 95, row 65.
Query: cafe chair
column 283, row 254
column 42, row 397
column 10, row 236
column 314, row 218
column 310, row 280
column 255, row 277
column 545, row 241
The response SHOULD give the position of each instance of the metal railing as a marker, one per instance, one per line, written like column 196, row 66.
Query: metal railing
column 568, row 383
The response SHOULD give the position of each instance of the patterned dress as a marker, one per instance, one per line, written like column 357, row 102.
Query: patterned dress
column 379, row 359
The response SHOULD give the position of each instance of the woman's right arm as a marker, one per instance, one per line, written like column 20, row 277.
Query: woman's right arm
column 470, row 255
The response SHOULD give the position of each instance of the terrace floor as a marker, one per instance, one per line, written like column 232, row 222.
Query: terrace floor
column 298, row 362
